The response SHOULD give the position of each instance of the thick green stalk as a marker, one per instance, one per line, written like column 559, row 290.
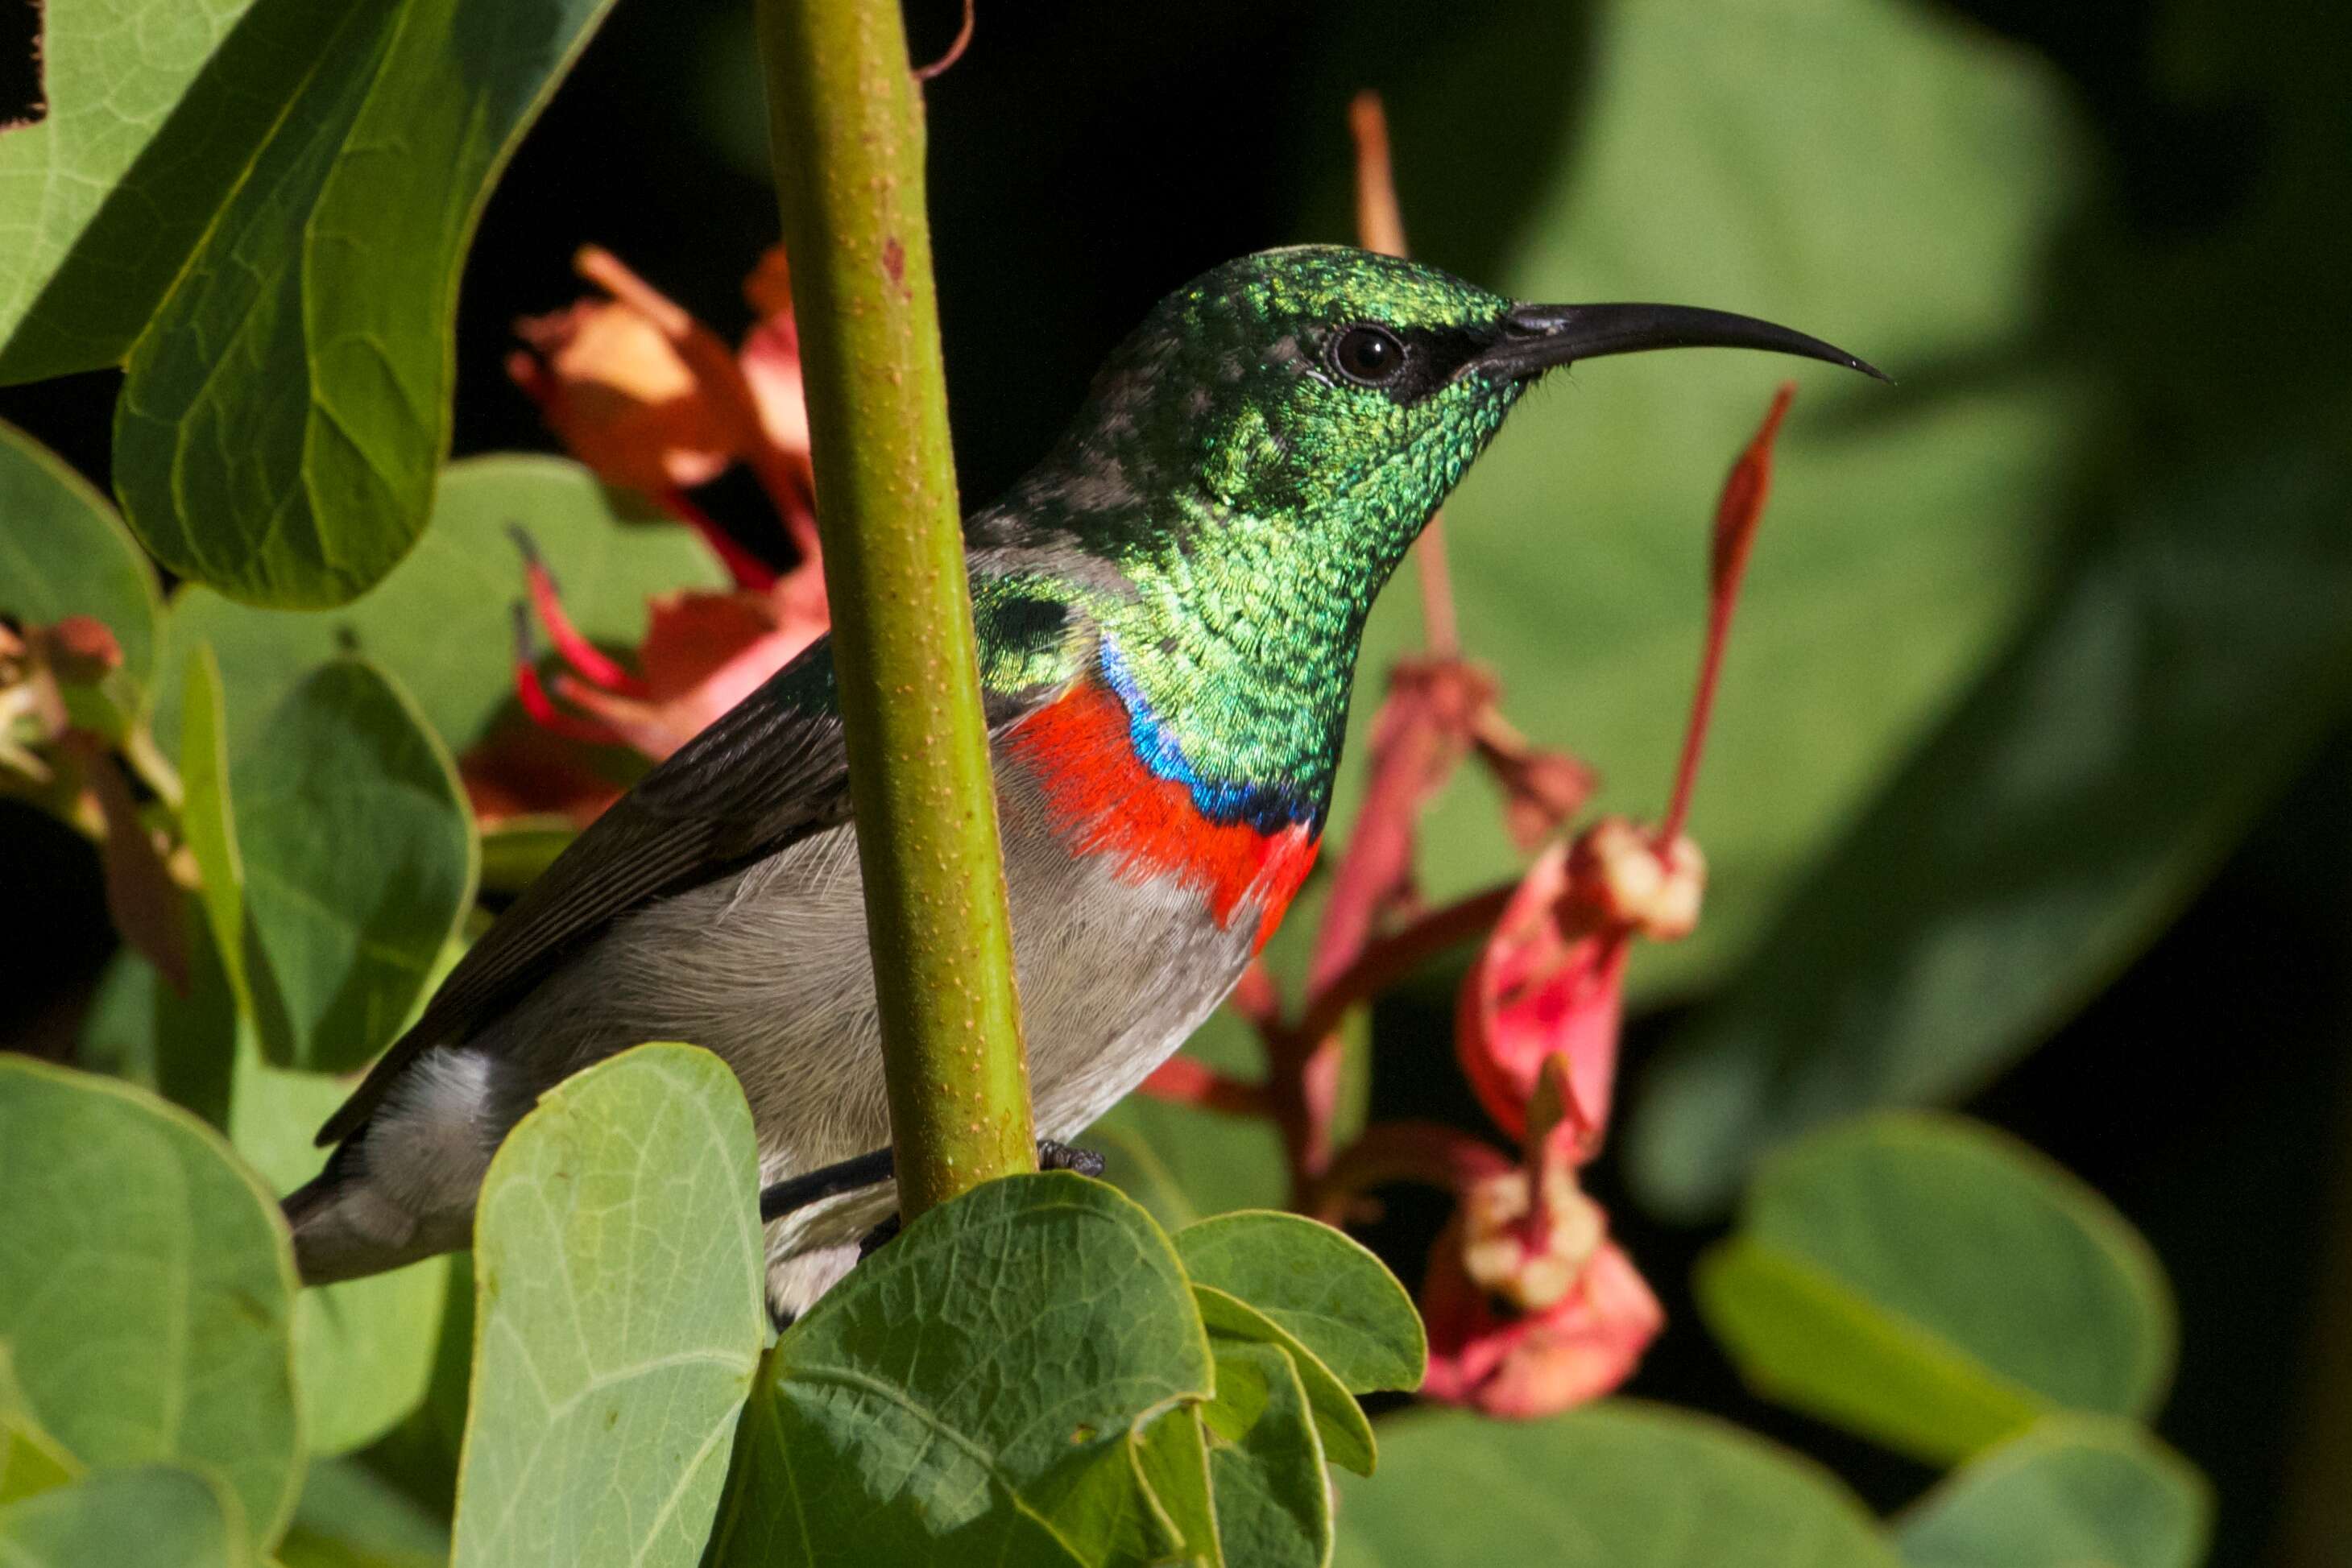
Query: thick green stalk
column 846, row 123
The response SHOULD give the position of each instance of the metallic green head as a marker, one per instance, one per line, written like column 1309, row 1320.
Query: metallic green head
column 1256, row 459
column 1335, row 395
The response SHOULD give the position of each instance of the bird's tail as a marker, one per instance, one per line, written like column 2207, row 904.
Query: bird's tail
column 344, row 1228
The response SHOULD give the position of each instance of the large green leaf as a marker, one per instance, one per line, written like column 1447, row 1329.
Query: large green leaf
column 1274, row 1504
column 182, row 1047
column 155, row 107
column 1340, row 1301
column 2194, row 653
column 1614, row 1483
column 64, row 552
column 326, row 283
column 146, row 1289
column 338, row 861
column 1936, row 1285
column 1891, row 180
column 618, row 1268
column 440, row 623
column 2071, row 1493
column 1344, row 1433
column 976, row 1391
column 363, row 1349
column 30, row 1460
column 150, row 1517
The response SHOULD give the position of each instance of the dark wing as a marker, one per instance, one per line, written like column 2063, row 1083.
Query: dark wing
column 769, row 771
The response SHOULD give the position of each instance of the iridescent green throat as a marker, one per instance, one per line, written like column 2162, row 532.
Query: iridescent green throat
column 1216, row 524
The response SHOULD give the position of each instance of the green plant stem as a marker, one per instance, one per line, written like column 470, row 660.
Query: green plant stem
column 846, row 123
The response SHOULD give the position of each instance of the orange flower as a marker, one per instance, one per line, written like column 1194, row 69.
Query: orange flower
column 655, row 400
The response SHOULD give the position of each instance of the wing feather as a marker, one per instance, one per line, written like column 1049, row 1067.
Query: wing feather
column 769, row 771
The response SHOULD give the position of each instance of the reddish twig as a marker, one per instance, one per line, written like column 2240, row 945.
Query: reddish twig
column 1188, row 1082
column 1737, row 514
column 955, row 50
column 1429, row 1153
column 1389, row 960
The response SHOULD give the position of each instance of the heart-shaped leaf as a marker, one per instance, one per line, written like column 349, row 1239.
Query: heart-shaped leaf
column 973, row 1392
column 154, row 1516
column 328, row 276
column 1274, row 1504
column 1339, row 1302
column 146, row 1289
column 1610, row 1484
column 337, row 859
column 618, row 1271
column 1935, row 1285
column 2070, row 1492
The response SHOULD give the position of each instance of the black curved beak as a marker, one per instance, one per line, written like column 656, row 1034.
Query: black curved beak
column 1537, row 338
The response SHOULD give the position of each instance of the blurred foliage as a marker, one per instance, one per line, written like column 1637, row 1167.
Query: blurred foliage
column 2068, row 1491
column 1840, row 1290
column 2035, row 637
column 620, row 1317
column 1621, row 1482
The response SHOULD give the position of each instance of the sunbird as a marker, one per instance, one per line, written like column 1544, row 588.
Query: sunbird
column 1167, row 611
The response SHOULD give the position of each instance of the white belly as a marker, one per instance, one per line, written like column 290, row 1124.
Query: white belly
column 768, row 968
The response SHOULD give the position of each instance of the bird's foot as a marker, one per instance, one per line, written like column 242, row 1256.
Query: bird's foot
column 798, row 1192
column 1052, row 1155
column 1058, row 1156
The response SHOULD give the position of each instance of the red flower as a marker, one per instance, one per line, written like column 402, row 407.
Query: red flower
column 655, row 400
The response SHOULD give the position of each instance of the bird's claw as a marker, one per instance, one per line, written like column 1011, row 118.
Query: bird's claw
column 1058, row 1157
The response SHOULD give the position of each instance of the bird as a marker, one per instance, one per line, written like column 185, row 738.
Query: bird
column 1167, row 611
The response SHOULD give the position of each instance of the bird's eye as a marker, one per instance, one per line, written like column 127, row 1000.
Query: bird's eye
column 1371, row 356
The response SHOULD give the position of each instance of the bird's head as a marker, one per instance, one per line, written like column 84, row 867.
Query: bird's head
column 1252, row 462
column 1322, row 398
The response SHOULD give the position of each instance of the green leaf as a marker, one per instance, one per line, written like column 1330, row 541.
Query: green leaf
column 154, row 110
column 150, row 1517
column 64, row 552
column 441, row 623
column 146, row 1287
column 2193, row 654
column 328, row 281
column 1172, row 1462
column 970, row 1393
column 2071, row 1493
column 342, row 867
column 1895, row 182
column 141, row 1030
column 363, row 1349
column 30, row 1460
column 1935, row 1285
column 1339, row 1300
column 208, row 822
column 350, row 1517
column 1347, row 1434
column 618, row 1268
column 1613, row 1483
column 1274, row 1504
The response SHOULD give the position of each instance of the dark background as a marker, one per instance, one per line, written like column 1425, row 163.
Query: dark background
column 1086, row 158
